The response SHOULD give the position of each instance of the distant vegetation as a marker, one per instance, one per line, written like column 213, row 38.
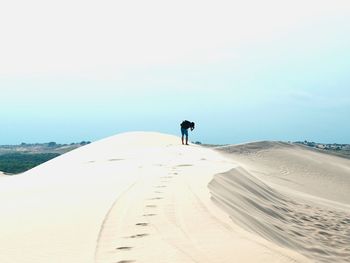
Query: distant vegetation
column 335, row 148
column 20, row 158
column 13, row 163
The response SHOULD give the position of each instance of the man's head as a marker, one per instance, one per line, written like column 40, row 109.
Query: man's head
column 192, row 126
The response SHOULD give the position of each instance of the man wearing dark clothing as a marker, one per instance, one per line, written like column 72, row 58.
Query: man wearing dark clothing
column 185, row 125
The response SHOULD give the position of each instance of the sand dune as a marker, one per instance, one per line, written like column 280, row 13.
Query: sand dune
column 283, row 197
column 143, row 197
column 295, row 167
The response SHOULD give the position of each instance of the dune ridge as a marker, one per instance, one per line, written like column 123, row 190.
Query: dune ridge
column 271, row 194
column 296, row 167
column 144, row 197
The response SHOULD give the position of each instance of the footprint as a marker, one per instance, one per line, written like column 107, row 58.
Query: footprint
column 156, row 198
column 124, row 248
column 126, row 261
column 113, row 160
column 137, row 236
column 149, row 214
column 161, row 186
column 141, row 224
column 158, row 192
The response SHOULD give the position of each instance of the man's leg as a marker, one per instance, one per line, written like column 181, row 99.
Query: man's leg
column 182, row 139
column 186, row 139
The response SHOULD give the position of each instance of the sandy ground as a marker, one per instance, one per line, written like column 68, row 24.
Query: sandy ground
column 143, row 197
column 291, row 195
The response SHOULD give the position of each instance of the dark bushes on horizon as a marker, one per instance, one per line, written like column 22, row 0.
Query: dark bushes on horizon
column 14, row 163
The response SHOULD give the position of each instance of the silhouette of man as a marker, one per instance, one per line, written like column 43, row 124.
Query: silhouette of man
column 185, row 125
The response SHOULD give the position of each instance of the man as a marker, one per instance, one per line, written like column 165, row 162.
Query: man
column 185, row 125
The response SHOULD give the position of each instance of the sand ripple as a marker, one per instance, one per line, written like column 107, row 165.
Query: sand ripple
column 319, row 232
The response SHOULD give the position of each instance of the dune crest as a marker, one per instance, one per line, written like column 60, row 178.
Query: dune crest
column 296, row 167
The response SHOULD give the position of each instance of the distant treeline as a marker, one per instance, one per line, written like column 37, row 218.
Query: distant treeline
column 54, row 144
column 14, row 163
column 338, row 149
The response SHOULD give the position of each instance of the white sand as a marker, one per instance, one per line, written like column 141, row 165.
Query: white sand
column 3, row 175
column 143, row 197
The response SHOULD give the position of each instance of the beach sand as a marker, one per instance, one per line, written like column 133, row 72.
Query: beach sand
column 143, row 197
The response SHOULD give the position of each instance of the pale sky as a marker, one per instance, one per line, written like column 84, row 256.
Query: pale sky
column 241, row 70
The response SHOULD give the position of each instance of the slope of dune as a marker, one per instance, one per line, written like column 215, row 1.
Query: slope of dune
column 135, row 197
column 295, row 167
column 294, row 197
